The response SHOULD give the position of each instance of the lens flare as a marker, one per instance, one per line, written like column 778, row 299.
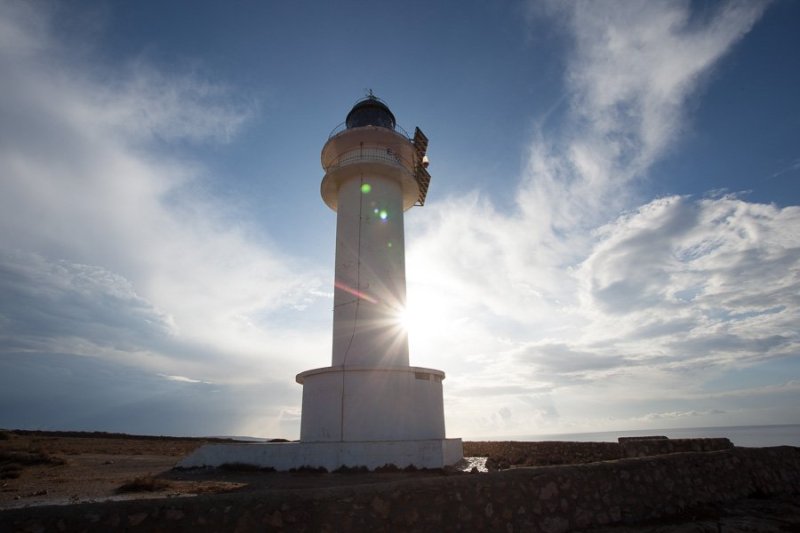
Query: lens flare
column 355, row 292
column 365, row 188
column 383, row 214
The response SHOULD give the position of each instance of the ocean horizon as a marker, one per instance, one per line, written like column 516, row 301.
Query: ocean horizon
column 745, row 436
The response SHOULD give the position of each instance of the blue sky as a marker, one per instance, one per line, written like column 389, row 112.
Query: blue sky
column 611, row 239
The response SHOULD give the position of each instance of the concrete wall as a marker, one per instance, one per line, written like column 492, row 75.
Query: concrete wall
column 547, row 499
column 285, row 456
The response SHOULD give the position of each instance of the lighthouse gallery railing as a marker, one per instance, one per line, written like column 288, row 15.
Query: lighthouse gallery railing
column 383, row 154
column 343, row 127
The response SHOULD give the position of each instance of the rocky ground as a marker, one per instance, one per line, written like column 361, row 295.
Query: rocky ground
column 40, row 468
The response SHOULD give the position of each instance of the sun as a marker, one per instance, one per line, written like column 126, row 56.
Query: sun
column 405, row 318
column 423, row 317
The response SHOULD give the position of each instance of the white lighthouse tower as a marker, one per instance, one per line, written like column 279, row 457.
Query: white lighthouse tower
column 369, row 408
column 373, row 173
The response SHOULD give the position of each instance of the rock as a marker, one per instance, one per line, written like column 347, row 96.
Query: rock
column 555, row 524
column 275, row 519
column 174, row 514
column 548, row 491
column 136, row 519
column 380, row 506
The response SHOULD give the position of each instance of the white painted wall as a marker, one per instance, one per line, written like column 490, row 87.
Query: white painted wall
column 370, row 288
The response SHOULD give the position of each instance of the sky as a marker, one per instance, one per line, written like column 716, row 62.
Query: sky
column 611, row 239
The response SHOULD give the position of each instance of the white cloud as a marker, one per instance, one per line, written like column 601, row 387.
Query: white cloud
column 725, row 270
column 184, row 379
column 584, row 306
column 582, row 302
column 114, row 249
column 631, row 73
column 679, row 414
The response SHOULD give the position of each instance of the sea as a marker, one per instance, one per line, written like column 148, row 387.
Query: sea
column 746, row 436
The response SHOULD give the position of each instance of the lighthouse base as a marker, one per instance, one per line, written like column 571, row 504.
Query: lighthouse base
column 431, row 453
column 371, row 404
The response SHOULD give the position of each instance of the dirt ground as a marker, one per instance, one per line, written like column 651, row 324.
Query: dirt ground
column 40, row 468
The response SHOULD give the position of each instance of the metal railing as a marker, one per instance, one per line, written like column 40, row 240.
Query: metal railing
column 368, row 153
column 343, row 127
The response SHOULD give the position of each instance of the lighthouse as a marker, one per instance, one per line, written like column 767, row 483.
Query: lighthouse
column 370, row 407
column 374, row 172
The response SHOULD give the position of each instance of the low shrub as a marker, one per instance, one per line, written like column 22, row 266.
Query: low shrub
column 10, row 470
column 144, row 484
column 245, row 467
column 30, row 458
column 351, row 470
column 309, row 470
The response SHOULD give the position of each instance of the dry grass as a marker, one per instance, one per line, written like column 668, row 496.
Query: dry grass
column 77, row 443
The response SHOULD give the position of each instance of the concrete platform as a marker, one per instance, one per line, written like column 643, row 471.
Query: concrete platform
column 433, row 453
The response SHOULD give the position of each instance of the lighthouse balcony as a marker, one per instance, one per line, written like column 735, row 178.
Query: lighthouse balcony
column 379, row 154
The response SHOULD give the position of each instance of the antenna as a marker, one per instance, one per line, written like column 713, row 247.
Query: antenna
column 420, row 166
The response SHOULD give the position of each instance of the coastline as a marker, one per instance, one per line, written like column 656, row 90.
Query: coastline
column 744, row 436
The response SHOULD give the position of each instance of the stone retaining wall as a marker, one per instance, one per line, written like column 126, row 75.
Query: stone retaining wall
column 547, row 499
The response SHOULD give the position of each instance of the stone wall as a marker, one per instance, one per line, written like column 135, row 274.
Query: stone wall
column 643, row 447
column 548, row 499
column 505, row 454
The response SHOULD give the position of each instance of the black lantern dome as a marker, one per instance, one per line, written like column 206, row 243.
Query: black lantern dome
column 370, row 112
